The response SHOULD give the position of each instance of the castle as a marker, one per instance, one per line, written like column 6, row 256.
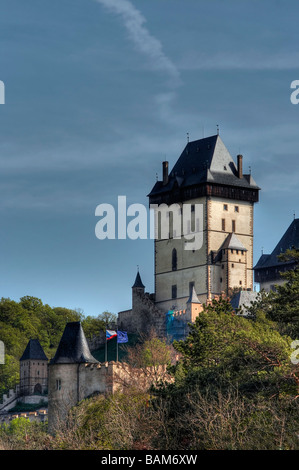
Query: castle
column 205, row 176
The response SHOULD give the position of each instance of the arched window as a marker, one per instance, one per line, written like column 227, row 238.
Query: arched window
column 174, row 260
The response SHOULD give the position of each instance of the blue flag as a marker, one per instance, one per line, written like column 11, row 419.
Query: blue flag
column 122, row 337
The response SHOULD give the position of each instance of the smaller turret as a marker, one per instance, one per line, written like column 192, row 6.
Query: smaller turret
column 33, row 369
column 137, row 290
column 194, row 306
column 138, row 283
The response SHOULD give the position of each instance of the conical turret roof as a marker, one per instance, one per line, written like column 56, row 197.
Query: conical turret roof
column 73, row 347
column 193, row 299
column 138, row 282
column 233, row 243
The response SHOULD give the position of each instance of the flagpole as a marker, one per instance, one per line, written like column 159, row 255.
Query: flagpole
column 106, row 350
column 116, row 349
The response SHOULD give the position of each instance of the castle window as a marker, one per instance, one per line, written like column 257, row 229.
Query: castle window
column 174, row 260
column 221, row 279
column 222, row 267
column 240, row 283
column 223, row 224
column 174, row 292
column 233, row 265
column 236, row 208
column 58, row 384
column 192, row 207
column 225, row 207
column 233, row 225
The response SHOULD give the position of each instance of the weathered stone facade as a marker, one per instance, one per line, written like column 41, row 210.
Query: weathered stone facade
column 144, row 315
column 74, row 374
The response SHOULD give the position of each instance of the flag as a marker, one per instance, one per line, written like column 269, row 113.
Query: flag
column 110, row 334
column 122, row 337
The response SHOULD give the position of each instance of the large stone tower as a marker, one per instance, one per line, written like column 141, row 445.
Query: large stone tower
column 68, row 381
column 220, row 200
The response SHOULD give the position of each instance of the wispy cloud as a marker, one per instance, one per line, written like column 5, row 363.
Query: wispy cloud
column 147, row 44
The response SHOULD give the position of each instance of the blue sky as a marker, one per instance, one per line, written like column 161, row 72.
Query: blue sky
column 98, row 93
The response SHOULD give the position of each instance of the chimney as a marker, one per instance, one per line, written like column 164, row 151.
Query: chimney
column 240, row 166
column 165, row 173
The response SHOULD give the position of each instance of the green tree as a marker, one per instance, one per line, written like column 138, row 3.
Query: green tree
column 93, row 326
column 285, row 302
column 109, row 319
column 225, row 348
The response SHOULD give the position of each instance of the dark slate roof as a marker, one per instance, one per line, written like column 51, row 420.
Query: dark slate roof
column 204, row 161
column 232, row 243
column 193, row 299
column 34, row 350
column 243, row 299
column 138, row 282
column 73, row 347
column 288, row 241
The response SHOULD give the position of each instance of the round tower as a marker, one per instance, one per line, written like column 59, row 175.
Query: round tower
column 65, row 370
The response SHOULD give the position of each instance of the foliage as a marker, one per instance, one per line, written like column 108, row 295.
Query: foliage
column 21, row 434
column 222, row 347
column 285, row 301
column 229, row 385
column 108, row 318
column 93, row 326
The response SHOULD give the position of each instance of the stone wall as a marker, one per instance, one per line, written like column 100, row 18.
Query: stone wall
column 144, row 316
column 71, row 383
column 9, row 400
column 39, row 416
